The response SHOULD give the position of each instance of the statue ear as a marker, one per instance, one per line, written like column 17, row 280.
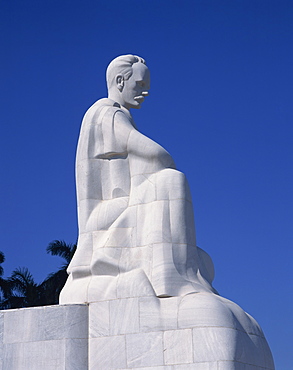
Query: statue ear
column 120, row 82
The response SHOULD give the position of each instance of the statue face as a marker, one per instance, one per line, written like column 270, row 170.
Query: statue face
column 136, row 87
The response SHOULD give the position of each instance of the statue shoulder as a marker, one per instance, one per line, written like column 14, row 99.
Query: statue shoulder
column 100, row 108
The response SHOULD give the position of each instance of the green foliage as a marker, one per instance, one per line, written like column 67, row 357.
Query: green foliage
column 20, row 289
column 61, row 249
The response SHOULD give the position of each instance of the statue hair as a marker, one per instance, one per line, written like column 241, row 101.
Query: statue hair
column 121, row 65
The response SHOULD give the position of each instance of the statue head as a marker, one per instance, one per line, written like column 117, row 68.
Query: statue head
column 128, row 80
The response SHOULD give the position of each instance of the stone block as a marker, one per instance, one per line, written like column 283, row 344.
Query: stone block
column 76, row 354
column 158, row 314
column 144, row 349
column 124, row 316
column 99, row 319
column 178, row 347
column 47, row 338
column 198, row 366
column 45, row 355
column 134, row 333
column 107, row 353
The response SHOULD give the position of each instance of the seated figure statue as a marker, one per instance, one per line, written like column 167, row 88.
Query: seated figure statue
column 136, row 224
column 137, row 237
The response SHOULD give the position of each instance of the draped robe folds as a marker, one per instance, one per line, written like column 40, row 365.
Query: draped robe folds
column 136, row 243
column 136, row 225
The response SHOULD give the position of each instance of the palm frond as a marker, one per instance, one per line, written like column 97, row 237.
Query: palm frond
column 12, row 302
column 53, row 285
column 61, row 249
column 21, row 279
column 2, row 257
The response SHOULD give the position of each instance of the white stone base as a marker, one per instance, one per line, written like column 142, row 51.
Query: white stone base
column 199, row 331
column 45, row 338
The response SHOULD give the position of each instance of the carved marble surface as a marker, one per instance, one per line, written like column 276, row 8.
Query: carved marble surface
column 47, row 338
column 200, row 331
column 136, row 223
column 197, row 331
column 149, row 288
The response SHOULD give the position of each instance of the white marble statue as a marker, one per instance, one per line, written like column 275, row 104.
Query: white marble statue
column 151, row 302
column 136, row 225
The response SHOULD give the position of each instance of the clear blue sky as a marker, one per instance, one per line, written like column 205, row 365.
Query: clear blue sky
column 220, row 103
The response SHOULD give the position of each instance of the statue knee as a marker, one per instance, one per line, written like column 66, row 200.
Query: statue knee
column 172, row 184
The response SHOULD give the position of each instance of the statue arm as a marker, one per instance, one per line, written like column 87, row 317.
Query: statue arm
column 148, row 154
column 122, row 129
column 145, row 155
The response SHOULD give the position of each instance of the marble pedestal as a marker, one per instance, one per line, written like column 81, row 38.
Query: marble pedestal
column 199, row 331
column 44, row 338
